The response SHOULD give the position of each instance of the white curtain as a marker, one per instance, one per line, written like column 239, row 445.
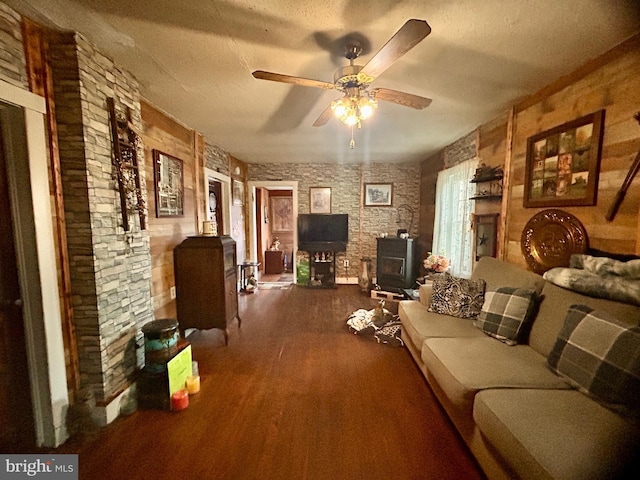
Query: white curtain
column 452, row 234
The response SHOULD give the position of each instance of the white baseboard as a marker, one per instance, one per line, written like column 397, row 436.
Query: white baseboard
column 105, row 414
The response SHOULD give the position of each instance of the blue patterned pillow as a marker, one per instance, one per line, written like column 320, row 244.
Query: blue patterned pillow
column 458, row 297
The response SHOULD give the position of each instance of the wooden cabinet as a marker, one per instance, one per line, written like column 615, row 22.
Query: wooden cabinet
column 273, row 262
column 322, row 269
column 206, row 283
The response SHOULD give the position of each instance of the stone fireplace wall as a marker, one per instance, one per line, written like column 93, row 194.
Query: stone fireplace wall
column 346, row 182
column 110, row 268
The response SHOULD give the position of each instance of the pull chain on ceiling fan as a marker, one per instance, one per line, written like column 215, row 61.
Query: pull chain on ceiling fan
column 359, row 102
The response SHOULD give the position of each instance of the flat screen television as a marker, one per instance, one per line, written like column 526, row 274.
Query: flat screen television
column 328, row 232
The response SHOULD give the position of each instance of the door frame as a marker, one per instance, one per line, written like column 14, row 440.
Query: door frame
column 23, row 122
column 225, row 180
column 253, row 238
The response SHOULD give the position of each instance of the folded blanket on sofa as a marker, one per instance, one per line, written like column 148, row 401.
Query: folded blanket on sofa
column 604, row 266
column 599, row 277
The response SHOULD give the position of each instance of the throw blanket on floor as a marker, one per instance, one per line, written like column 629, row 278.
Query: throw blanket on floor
column 381, row 324
column 600, row 277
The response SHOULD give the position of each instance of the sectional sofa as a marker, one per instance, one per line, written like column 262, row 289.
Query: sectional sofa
column 520, row 415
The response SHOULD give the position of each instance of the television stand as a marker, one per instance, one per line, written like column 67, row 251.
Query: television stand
column 322, row 269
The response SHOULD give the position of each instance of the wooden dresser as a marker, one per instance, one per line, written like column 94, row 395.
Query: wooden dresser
column 273, row 262
column 206, row 283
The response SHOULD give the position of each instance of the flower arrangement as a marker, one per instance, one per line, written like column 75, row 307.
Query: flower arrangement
column 435, row 263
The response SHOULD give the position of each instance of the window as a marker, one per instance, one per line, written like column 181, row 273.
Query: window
column 452, row 235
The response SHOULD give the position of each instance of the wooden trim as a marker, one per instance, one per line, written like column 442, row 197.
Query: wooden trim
column 36, row 46
column 638, row 235
column 503, row 237
column 198, row 148
column 166, row 123
column 632, row 44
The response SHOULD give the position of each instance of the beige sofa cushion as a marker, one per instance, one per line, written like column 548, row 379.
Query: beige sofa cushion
column 419, row 324
column 555, row 433
column 555, row 306
column 425, row 292
column 464, row 366
column 502, row 274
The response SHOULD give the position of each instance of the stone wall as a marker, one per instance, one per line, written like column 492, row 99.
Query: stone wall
column 110, row 268
column 216, row 159
column 346, row 182
column 461, row 150
column 12, row 60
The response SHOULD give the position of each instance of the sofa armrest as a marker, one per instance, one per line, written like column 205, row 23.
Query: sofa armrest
column 424, row 292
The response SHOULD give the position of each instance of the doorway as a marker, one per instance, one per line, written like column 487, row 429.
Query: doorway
column 33, row 263
column 214, row 211
column 17, row 429
column 273, row 236
column 217, row 189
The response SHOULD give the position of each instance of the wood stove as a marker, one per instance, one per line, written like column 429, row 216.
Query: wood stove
column 395, row 265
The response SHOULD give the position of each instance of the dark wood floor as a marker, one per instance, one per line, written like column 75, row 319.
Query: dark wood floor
column 293, row 396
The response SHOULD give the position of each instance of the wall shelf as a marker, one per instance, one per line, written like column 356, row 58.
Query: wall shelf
column 488, row 186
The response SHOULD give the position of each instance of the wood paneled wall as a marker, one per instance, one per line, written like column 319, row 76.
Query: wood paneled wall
column 610, row 82
column 165, row 134
column 492, row 149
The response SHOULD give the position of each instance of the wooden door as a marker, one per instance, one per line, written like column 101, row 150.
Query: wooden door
column 17, row 431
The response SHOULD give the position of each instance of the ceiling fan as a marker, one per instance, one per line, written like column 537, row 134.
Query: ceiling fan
column 359, row 101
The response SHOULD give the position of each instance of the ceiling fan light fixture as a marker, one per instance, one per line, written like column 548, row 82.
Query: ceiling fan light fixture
column 351, row 119
column 351, row 110
column 339, row 107
column 367, row 106
column 359, row 103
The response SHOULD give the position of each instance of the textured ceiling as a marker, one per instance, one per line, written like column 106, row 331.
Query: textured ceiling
column 194, row 61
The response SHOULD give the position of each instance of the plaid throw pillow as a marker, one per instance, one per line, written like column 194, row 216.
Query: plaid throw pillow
column 457, row 297
column 506, row 312
column 600, row 356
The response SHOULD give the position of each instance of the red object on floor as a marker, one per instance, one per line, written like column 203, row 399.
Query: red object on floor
column 180, row 400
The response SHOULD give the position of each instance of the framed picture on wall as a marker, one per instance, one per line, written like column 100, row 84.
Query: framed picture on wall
column 281, row 214
column 169, row 185
column 238, row 192
column 378, row 194
column 486, row 227
column 563, row 164
column 320, row 200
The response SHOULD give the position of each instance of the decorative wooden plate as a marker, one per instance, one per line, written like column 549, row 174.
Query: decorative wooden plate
column 549, row 239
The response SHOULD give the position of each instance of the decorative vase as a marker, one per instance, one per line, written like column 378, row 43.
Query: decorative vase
column 365, row 274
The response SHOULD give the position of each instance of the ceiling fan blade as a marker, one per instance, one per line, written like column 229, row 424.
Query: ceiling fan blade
column 401, row 98
column 324, row 117
column 409, row 35
column 305, row 82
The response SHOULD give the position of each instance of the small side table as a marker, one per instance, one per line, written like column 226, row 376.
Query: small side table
column 412, row 294
column 243, row 274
